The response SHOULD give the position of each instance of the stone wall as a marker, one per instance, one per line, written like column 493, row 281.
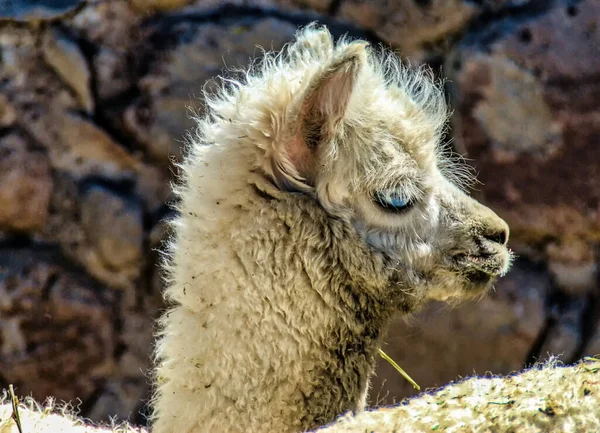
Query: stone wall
column 95, row 98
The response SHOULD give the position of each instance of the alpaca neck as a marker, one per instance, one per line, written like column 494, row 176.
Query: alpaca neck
column 270, row 332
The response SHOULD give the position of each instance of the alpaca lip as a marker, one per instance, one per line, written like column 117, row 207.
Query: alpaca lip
column 483, row 267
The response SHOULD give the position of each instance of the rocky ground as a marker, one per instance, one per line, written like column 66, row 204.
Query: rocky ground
column 94, row 100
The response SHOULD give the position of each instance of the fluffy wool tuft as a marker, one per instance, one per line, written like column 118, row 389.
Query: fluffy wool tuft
column 548, row 398
column 51, row 417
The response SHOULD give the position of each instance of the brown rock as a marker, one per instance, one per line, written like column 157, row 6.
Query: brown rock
column 81, row 149
column 441, row 344
column 63, row 226
column 45, row 106
column 100, row 230
column 65, row 57
column 25, row 185
column 409, row 25
column 8, row 116
column 56, row 327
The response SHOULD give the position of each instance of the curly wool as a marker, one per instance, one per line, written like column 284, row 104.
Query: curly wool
column 547, row 398
column 544, row 399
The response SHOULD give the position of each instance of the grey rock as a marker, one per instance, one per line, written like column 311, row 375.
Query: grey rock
column 593, row 346
column 36, row 9
column 113, row 74
column 564, row 337
column 114, row 228
column 120, row 398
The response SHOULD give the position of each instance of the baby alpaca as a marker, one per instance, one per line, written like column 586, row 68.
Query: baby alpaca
column 314, row 201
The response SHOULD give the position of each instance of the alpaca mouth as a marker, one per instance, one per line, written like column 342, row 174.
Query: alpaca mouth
column 482, row 270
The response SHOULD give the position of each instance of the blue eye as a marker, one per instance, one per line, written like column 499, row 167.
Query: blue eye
column 392, row 201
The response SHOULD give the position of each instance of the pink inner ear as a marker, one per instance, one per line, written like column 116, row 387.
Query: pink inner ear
column 292, row 167
column 300, row 155
column 321, row 113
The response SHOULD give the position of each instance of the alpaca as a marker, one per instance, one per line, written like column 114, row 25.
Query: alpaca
column 314, row 202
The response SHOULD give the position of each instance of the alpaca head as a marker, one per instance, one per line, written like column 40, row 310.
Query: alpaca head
column 362, row 135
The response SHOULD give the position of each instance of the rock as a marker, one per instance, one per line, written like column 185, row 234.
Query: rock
column 120, row 399
column 593, row 346
column 161, row 115
column 514, row 94
column 8, row 116
column 159, row 5
column 81, row 149
column 496, row 334
column 45, row 108
column 526, row 93
column 573, row 264
column 153, row 186
column 25, row 185
column 63, row 226
column 65, row 57
column 564, row 336
column 114, row 29
column 113, row 74
column 321, row 6
column 98, row 229
column 122, row 395
column 57, row 333
column 114, row 227
column 36, row 9
column 409, row 25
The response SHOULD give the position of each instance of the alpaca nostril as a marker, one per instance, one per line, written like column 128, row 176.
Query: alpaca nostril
column 498, row 236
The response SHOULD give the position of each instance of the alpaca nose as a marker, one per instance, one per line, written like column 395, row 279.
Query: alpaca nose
column 497, row 232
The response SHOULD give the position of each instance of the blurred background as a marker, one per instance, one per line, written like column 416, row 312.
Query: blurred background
column 93, row 108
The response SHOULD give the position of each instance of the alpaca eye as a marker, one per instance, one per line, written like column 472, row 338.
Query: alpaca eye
column 393, row 201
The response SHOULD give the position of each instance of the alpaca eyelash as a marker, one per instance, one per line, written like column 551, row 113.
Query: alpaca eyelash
column 393, row 201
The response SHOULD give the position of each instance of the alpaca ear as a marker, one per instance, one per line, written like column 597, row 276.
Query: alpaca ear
column 327, row 98
column 321, row 113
